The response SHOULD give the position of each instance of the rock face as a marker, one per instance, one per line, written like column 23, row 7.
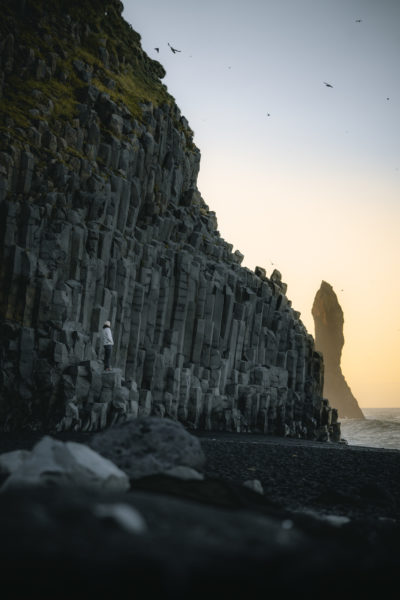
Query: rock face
column 101, row 219
column 329, row 340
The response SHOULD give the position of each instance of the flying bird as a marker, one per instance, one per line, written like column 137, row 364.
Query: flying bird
column 358, row 20
column 157, row 49
column 173, row 49
column 328, row 84
column 268, row 114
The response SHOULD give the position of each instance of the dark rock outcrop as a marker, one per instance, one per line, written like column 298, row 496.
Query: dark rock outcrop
column 329, row 340
column 101, row 219
column 335, row 528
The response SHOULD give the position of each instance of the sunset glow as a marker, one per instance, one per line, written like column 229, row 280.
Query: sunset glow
column 300, row 175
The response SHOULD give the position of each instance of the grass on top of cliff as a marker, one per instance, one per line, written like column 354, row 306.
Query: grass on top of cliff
column 74, row 30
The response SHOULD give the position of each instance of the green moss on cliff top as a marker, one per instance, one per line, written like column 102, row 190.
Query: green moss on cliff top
column 76, row 30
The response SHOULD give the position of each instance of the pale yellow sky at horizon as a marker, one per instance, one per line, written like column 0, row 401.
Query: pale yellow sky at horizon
column 299, row 174
column 360, row 259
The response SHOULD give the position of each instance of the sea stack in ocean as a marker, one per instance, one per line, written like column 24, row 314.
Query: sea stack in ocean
column 329, row 340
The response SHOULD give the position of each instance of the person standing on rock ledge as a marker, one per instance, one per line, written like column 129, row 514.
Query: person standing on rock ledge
column 108, row 343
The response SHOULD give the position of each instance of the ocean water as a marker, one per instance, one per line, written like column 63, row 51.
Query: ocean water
column 379, row 429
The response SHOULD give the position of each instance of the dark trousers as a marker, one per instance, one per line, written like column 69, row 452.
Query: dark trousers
column 107, row 356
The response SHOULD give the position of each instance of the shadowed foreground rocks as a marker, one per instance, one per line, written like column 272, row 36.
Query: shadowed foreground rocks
column 231, row 542
column 327, row 523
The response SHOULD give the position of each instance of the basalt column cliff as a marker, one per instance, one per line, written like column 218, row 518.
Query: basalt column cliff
column 329, row 339
column 101, row 219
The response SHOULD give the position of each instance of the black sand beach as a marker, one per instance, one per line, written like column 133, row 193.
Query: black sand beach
column 346, row 480
column 327, row 523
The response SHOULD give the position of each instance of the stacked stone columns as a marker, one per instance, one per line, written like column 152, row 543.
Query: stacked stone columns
column 101, row 219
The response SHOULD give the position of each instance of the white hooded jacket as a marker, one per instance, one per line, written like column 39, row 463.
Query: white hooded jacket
column 107, row 337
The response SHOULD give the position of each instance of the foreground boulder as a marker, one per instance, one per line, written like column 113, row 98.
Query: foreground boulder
column 150, row 446
column 55, row 463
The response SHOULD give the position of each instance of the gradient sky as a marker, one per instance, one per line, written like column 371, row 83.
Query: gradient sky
column 313, row 188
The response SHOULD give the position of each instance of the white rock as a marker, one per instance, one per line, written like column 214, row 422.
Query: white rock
column 255, row 485
column 124, row 515
column 287, row 524
column 182, row 472
column 336, row 520
column 52, row 462
column 11, row 461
